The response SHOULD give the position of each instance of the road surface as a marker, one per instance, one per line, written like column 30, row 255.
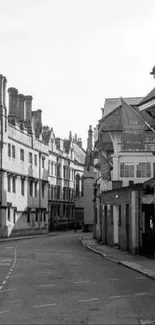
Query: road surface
column 55, row 280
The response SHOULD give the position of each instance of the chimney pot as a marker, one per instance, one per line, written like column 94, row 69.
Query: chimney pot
column 13, row 102
column 28, row 107
column 20, row 107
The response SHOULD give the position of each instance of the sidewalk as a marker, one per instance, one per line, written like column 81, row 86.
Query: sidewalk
column 138, row 263
column 2, row 240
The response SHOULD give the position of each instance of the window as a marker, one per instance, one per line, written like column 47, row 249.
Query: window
column 51, row 192
column 9, row 183
column 64, row 191
column 58, row 192
column 22, row 186
column 144, row 170
column 44, row 215
column 119, row 215
column 31, row 188
column 82, row 186
column 13, row 152
column 49, row 167
column 9, row 149
column 77, row 185
column 52, row 167
column 14, row 185
column 14, row 216
column 58, row 170
column 30, row 157
column 43, row 190
column 126, row 170
column 35, row 160
column 64, row 211
column 43, row 162
column 63, row 171
column 35, row 189
column 22, row 154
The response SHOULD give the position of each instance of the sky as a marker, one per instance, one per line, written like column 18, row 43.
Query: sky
column 72, row 54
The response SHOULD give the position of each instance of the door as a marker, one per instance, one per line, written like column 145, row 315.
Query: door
column 105, row 223
column 127, row 227
column 116, row 213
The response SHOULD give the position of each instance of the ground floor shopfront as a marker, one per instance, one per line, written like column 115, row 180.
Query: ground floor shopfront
column 124, row 218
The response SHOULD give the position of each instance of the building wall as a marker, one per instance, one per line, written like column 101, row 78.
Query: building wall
column 122, row 197
column 32, row 210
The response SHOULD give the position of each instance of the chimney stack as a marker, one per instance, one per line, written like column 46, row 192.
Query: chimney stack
column 90, row 138
column 1, row 89
column 20, row 107
column 28, row 108
column 79, row 142
column 13, row 102
column 4, row 91
column 3, row 82
column 37, row 122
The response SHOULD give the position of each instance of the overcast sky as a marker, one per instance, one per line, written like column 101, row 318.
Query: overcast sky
column 72, row 54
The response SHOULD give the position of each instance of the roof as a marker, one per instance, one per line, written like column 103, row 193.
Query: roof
column 112, row 103
column 113, row 121
column 79, row 154
column 148, row 97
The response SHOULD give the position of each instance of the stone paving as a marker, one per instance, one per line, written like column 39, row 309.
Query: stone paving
column 138, row 263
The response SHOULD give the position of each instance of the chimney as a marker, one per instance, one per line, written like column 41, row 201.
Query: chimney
column 75, row 138
column 70, row 135
column 4, row 91
column 28, row 108
column 20, row 107
column 90, row 138
column 37, row 122
column 13, row 102
column 1, row 89
column 79, row 142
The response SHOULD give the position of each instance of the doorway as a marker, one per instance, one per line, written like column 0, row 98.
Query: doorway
column 116, row 220
column 127, row 228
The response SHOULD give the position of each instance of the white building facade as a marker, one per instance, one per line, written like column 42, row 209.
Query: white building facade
column 37, row 178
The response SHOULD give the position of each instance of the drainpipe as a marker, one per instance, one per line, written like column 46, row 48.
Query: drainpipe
column 39, row 186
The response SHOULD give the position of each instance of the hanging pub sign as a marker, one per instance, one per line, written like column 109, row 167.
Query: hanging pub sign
column 133, row 127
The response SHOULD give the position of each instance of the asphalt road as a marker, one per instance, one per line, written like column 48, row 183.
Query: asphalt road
column 55, row 280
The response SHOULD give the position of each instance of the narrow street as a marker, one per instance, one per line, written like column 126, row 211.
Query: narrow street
column 55, row 280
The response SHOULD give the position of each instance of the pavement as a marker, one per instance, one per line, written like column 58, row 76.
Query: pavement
column 141, row 264
column 55, row 280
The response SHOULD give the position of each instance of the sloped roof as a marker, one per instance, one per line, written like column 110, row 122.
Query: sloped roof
column 113, row 121
column 112, row 103
column 148, row 97
column 79, row 154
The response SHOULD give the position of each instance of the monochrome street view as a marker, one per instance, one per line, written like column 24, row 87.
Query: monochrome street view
column 77, row 162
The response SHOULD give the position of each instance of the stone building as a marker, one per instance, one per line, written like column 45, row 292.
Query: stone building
column 37, row 179
column 119, row 197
